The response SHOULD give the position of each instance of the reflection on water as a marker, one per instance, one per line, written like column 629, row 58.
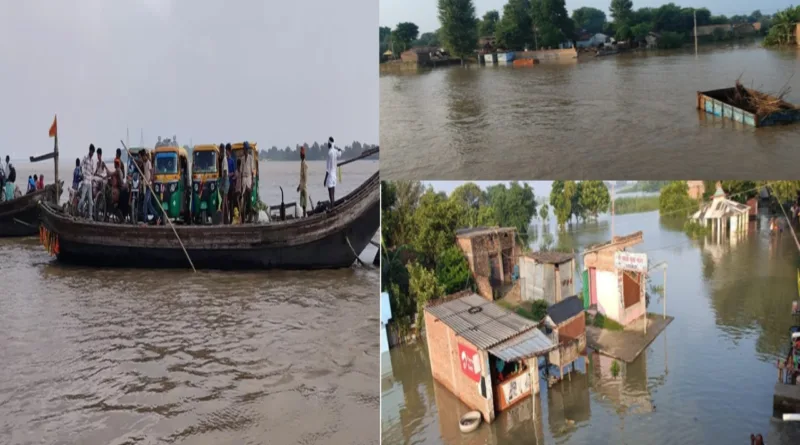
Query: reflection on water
column 484, row 123
column 150, row 356
column 707, row 379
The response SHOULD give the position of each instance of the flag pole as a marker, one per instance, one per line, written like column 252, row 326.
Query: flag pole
column 55, row 159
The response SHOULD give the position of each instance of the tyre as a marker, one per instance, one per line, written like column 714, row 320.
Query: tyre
column 470, row 421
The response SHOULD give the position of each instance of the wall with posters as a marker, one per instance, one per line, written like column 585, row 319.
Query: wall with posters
column 460, row 366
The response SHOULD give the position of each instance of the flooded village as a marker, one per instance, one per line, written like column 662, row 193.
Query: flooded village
column 585, row 82
column 581, row 329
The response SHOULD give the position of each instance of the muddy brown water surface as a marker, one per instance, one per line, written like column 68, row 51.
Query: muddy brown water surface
column 708, row 378
column 123, row 356
column 631, row 116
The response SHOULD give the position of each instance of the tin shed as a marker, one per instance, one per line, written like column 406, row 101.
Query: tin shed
column 548, row 276
column 483, row 353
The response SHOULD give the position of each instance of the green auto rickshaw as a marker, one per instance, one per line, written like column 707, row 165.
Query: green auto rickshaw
column 170, row 179
column 205, row 181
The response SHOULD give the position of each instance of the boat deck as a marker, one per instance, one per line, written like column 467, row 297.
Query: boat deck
column 786, row 399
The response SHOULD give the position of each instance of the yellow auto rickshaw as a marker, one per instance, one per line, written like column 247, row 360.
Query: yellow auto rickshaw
column 170, row 178
column 205, row 181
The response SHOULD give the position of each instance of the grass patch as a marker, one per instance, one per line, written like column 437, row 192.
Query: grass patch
column 600, row 321
column 535, row 311
column 635, row 204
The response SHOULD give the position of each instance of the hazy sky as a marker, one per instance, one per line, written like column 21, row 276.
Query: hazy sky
column 274, row 72
column 425, row 13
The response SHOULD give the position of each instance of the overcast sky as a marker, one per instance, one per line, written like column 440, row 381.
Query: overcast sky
column 425, row 12
column 540, row 188
column 275, row 72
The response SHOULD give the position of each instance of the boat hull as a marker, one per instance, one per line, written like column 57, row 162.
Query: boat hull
column 20, row 217
column 321, row 241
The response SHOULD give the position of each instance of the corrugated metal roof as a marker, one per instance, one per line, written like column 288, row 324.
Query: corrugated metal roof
column 480, row 321
column 529, row 344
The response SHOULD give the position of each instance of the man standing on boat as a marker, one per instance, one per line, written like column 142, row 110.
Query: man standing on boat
column 87, row 172
column 149, row 208
column 302, row 188
column 330, row 170
column 231, row 197
column 247, row 183
column 224, row 182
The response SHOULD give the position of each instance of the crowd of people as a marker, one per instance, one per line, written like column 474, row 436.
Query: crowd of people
column 91, row 174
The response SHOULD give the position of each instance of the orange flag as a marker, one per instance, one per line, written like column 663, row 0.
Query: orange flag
column 54, row 128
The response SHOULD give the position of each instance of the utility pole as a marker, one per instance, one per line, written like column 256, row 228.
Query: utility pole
column 612, row 211
column 695, row 34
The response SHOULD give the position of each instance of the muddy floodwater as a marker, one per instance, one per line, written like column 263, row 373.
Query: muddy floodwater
column 708, row 378
column 95, row 356
column 633, row 113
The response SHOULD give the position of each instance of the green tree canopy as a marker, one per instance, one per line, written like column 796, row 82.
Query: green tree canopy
column 594, row 197
column 674, row 199
column 403, row 35
column 459, row 31
column 427, row 39
column 488, row 24
column 515, row 28
column 544, row 212
column 514, row 206
column 561, row 200
column 621, row 11
column 436, row 220
column 551, row 22
column 590, row 19
column 452, row 271
column 423, row 287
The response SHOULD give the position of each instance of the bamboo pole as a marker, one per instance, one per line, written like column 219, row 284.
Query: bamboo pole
column 152, row 193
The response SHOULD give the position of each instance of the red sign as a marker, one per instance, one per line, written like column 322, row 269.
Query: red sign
column 470, row 362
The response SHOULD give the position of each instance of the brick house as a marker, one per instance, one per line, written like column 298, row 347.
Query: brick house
column 566, row 325
column 618, row 294
column 484, row 354
column 491, row 254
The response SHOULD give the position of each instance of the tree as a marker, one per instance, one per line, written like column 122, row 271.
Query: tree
column 576, row 206
column 561, row 200
column 403, row 35
column 674, row 199
column 641, row 30
column 783, row 24
column 427, row 39
column 452, row 271
column 489, row 23
column 551, row 22
column 515, row 28
column 384, row 39
column 589, row 19
column 740, row 191
column 397, row 224
column 621, row 11
column 435, row 222
column 459, row 31
column 755, row 16
column 514, row 206
column 469, row 194
column 544, row 212
column 423, row 287
column 784, row 191
column 595, row 198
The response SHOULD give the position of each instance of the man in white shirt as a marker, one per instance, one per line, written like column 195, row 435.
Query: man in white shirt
column 149, row 208
column 330, row 170
column 247, row 182
column 87, row 171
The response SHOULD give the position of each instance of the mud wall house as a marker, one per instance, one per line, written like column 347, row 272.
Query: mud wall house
column 723, row 216
column 708, row 30
column 566, row 323
column 420, row 56
column 491, row 254
column 548, row 276
column 651, row 39
column 484, row 354
column 616, row 293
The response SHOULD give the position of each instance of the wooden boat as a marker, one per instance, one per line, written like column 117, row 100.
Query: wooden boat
column 736, row 103
column 20, row 216
column 320, row 241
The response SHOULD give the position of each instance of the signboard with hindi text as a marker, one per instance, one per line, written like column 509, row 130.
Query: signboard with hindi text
column 470, row 362
column 636, row 262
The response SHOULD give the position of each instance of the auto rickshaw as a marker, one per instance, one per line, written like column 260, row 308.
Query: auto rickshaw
column 238, row 152
column 205, row 181
column 170, row 178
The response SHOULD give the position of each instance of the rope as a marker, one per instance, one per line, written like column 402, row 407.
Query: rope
column 158, row 201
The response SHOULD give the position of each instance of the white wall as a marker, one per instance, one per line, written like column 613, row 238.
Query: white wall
column 608, row 297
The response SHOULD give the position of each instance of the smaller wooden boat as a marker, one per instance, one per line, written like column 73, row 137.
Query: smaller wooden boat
column 20, row 216
column 747, row 106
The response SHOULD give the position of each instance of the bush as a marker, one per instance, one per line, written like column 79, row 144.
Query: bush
column 671, row 40
column 452, row 271
column 600, row 321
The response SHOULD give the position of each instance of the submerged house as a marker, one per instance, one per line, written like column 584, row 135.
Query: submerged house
column 548, row 276
column 491, row 254
column 566, row 325
column 723, row 216
column 616, row 279
column 484, row 354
